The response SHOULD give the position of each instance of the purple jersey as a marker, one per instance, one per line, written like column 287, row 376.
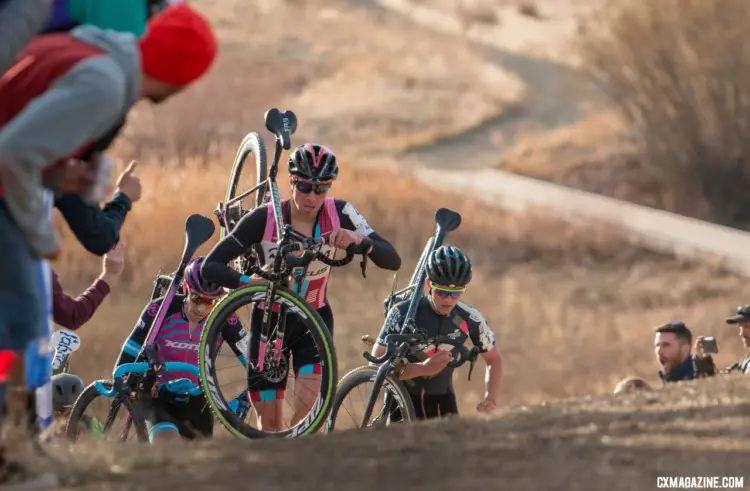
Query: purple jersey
column 175, row 341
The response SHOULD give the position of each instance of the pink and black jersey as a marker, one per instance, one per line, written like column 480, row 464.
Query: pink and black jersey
column 257, row 230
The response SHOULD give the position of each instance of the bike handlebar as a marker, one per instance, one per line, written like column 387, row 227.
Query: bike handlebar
column 392, row 342
column 306, row 244
column 143, row 367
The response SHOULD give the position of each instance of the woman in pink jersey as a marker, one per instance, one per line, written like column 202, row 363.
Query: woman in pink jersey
column 167, row 414
column 312, row 170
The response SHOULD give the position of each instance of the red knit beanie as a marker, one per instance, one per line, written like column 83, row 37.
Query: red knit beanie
column 178, row 46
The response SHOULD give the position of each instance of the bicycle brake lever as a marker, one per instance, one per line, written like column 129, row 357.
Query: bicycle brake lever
column 363, row 265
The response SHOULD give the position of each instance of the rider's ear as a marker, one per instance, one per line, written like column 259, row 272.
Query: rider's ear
column 291, row 180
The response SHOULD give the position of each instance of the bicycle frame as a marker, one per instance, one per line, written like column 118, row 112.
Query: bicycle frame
column 445, row 221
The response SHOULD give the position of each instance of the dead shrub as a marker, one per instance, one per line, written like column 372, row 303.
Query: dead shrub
column 529, row 8
column 679, row 70
column 476, row 12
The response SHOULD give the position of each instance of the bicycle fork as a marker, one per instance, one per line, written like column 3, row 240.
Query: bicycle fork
column 382, row 372
column 266, row 332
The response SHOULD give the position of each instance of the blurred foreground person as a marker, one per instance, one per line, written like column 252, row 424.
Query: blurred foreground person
column 20, row 20
column 89, row 79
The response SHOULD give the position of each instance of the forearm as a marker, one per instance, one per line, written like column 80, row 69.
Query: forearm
column 383, row 253
column 413, row 370
column 72, row 313
column 130, row 348
column 493, row 379
column 249, row 231
column 215, row 270
column 97, row 229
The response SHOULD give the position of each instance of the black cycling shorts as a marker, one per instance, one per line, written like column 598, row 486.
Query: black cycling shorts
column 432, row 406
column 192, row 419
column 297, row 341
column 428, row 406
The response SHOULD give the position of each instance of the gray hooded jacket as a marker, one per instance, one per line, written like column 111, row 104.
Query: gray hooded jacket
column 79, row 107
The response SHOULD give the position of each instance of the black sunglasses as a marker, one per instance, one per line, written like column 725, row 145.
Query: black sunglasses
column 306, row 187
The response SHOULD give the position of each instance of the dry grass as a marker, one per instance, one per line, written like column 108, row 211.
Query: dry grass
column 529, row 8
column 553, row 153
column 476, row 12
column 677, row 70
column 371, row 85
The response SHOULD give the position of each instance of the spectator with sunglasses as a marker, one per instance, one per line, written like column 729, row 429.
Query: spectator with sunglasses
column 170, row 415
column 312, row 171
column 441, row 313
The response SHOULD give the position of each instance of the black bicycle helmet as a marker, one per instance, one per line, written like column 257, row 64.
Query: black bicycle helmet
column 313, row 162
column 66, row 388
column 448, row 266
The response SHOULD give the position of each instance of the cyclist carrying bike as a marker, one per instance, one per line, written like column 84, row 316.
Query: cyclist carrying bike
column 312, row 170
column 169, row 415
column 440, row 313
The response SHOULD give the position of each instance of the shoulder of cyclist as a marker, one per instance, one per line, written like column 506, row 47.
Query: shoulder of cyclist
column 393, row 321
column 351, row 218
column 479, row 330
column 149, row 312
column 383, row 254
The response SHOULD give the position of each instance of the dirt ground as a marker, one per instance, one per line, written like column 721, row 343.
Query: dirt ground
column 614, row 442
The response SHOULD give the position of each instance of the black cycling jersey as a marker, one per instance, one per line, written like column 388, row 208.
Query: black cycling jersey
column 464, row 322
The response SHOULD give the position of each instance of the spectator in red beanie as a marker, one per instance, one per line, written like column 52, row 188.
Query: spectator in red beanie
column 177, row 48
column 65, row 100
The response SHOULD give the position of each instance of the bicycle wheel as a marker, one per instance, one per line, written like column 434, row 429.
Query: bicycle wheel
column 209, row 349
column 252, row 144
column 397, row 405
column 79, row 423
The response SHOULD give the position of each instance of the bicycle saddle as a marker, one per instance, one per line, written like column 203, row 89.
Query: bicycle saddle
column 281, row 124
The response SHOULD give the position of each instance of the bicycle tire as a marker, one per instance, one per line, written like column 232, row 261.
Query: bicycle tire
column 364, row 374
column 209, row 346
column 88, row 396
column 253, row 143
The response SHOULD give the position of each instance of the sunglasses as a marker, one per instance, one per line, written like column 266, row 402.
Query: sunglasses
column 305, row 187
column 447, row 291
column 196, row 298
